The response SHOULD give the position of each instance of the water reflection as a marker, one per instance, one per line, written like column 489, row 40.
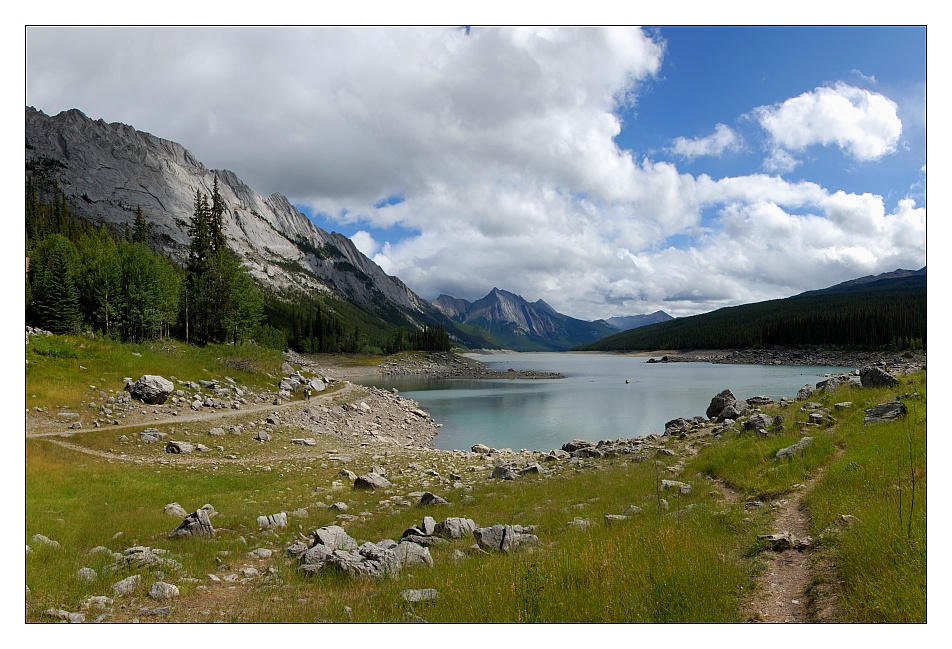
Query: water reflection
column 593, row 402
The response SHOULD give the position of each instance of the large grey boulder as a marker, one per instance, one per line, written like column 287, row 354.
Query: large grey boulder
column 411, row 554
column 875, row 377
column 504, row 538
column 367, row 561
column 273, row 521
column 127, row 586
column 195, row 524
column 725, row 405
column 455, row 528
column 152, row 389
column 760, row 421
column 334, row 537
column 161, row 590
column 174, row 509
column 178, row 448
column 885, row 412
column 504, row 473
column 372, row 481
column 795, row 448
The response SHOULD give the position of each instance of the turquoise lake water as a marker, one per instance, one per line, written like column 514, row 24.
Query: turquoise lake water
column 593, row 402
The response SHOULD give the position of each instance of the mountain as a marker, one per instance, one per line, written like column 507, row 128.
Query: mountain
column 509, row 321
column 105, row 170
column 624, row 323
column 869, row 313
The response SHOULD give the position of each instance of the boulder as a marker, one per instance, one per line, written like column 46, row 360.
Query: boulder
column 725, row 405
column 178, row 448
column 875, row 377
column 431, row 499
column 504, row 473
column 367, row 561
column 455, row 528
column 372, row 481
column 151, row 435
column 334, row 537
column 416, row 595
column 273, row 521
column 412, row 554
column 151, row 389
column 804, row 393
column 482, row 449
column 174, row 509
column 682, row 487
column 885, row 412
column 127, row 586
column 795, row 448
column 161, row 590
column 758, row 422
column 195, row 524
column 504, row 538
column 832, row 383
column 576, row 444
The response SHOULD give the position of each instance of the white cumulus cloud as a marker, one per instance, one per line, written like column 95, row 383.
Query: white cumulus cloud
column 724, row 138
column 864, row 124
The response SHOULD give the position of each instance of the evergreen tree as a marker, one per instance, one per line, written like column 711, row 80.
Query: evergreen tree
column 53, row 285
column 216, row 222
column 140, row 229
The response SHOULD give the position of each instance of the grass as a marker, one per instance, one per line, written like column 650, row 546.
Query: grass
column 60, row 369
column 648, row 569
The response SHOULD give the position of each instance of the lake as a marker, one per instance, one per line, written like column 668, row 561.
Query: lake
column 593, row 402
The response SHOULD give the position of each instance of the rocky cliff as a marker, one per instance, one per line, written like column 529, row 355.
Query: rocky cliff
column 106, row 170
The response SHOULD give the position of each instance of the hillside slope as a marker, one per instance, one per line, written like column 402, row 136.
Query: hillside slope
column 870, row 315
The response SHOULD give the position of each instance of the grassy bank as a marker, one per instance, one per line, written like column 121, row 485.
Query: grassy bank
column 686, row 557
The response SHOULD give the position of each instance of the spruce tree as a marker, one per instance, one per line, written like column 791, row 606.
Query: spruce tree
column 140, row 229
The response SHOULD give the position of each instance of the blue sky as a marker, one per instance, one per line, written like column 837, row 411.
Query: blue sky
column 607, row 171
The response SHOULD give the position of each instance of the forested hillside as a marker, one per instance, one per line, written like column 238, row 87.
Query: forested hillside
column 886, row 314
column 106, row 280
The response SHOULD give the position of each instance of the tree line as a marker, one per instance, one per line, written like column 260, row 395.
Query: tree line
column 107, row 280
column 882, row 316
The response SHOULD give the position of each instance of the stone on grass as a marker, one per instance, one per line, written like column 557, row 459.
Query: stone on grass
column 195, row 524
column 161, row 590
column 371, row 481
column 87, row 574
column 875, row 377
column 416, row 595
column 152, row 389
column 504, row 538
column 431, row 499
column 126, row 586
column 273, row 521
column 885, row 412
column 455, row 528
column 790, row 451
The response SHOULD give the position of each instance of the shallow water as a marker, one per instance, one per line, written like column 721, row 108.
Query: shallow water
column 593, row 402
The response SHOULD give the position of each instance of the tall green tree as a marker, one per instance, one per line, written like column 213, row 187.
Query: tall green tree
column 99, row 280
column 53, row 285
column 140, row 228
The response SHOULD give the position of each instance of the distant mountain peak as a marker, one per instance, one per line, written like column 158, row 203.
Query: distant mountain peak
column 516, row 323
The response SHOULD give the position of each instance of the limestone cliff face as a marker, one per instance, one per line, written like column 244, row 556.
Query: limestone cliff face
column 106, row 170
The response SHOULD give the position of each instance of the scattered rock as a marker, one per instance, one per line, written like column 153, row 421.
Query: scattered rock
column 127, row 586
column 420, row 595
column 885, row 412
column 795, row 448
column 372, row 481
column 432, row 499
column 504, row 538
column 151, row 389
column 875, row 377
column 273, row 521
column 176, row 448
column 195, row 524
column 161, row 590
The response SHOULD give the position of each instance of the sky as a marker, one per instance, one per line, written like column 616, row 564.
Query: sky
column 608, row 171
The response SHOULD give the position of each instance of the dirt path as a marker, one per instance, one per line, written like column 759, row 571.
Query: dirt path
column 36, row 428
column 782, row 589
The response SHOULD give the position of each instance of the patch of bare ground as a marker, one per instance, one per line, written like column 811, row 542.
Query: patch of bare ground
column 782, row 589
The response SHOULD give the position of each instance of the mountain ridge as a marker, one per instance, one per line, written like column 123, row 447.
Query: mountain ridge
column 105, row 170
column 518, row 324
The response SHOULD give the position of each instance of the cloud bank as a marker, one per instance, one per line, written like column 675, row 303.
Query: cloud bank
column 496, row 150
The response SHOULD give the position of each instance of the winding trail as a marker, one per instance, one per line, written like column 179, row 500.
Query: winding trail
column 782, row 589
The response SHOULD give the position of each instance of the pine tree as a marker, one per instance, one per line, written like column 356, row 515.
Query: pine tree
column 140, row 229
column 53, row 286
column 216, row 216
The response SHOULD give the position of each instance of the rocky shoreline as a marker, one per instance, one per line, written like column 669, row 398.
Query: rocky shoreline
column 893, row 362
